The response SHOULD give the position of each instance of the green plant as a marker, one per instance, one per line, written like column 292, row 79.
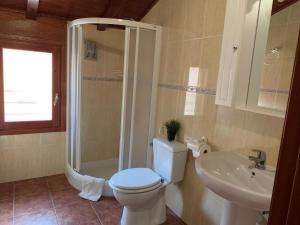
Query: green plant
column 173, row 127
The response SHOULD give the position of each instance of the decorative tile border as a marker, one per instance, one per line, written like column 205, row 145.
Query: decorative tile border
column 279, row 91
column 208, row 91
column 194, row 89
column 104, row 78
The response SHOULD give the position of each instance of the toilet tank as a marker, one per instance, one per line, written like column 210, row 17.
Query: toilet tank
column 169, row 159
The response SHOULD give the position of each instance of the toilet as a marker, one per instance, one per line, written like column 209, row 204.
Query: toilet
column 142, row 190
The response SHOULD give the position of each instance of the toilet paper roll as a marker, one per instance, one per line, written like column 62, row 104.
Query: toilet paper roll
column 202, row 149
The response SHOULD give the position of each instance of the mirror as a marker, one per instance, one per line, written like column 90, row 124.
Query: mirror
column 274, row 56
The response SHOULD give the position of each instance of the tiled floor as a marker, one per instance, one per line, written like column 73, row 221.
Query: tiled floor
column 52, row 201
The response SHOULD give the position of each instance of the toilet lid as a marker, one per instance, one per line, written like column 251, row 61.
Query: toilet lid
column 135, row 178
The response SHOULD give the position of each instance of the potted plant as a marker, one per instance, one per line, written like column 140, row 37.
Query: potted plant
column 172, row 128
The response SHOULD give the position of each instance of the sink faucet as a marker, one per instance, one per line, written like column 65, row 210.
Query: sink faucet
column 259, row 160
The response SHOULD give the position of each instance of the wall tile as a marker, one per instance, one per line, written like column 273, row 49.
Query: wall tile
column 210, row 59
column 160, row 13
column 174, row 71
column 267, row 99
column 177, row 20
column 271, row 73
column 276, row 37
column 31, row 155
column 286, row 73
column 227, row 129
column 290, row 44
column 52, row 139
column 7, row 142
column 192, row 50
column 27, row 140
column 294, row 15
column 214, row 17
column 194, row 19
column 280, row 18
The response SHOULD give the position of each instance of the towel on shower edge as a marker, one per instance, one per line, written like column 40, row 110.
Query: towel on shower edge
column 92, row 188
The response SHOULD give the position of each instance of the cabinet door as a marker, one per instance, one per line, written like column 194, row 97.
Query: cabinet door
column 234, row 20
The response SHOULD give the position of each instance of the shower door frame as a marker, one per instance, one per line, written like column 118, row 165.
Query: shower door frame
column 156, row 64
column 71, row 140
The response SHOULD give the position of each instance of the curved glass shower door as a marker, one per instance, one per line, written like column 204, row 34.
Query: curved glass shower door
column 139, row 97
column 101, row 100
column 111, row 96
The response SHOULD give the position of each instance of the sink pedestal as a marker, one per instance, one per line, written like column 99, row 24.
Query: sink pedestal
column 234, row 214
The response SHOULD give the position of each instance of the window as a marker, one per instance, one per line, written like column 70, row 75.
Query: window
column 29, row 88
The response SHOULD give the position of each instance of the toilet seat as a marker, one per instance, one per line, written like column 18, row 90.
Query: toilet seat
column 136, row 191
column 135, row 180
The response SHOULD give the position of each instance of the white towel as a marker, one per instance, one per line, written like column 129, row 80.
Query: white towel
column 92, row 188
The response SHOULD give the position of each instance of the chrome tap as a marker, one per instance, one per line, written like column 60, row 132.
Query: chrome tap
column 259, row 160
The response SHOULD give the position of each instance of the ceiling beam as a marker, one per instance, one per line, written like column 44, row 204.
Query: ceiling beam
column 32, row 9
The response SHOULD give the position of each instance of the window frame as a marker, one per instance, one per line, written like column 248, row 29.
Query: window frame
column 24, row 127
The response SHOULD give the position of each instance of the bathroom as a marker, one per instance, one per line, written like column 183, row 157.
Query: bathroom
column 192, row 45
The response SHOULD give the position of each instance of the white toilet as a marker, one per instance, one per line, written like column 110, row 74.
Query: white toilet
column 142, row 190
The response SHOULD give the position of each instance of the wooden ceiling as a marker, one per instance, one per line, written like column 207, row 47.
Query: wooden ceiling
column 278, row 6
column 73, row 9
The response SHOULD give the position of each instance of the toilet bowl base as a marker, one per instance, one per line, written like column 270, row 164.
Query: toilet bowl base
column 151, row 214
column 134, row 217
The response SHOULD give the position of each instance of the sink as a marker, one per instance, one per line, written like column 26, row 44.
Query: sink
column 246, row 191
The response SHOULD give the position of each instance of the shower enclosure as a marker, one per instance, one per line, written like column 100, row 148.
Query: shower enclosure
column 113, row 68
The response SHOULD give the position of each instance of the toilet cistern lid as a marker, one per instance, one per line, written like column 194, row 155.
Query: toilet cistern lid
column 135, row 178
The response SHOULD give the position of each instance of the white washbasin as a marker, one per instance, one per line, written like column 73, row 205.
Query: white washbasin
column 228, row 175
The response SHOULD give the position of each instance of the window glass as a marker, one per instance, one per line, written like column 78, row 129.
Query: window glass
column 27, row 79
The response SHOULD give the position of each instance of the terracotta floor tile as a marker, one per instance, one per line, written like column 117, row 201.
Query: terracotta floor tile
column 25, row 205
column 58, row 182
column 6, row 209
column 37, row 179
column 45, row 218
column 172, row 219
column 6, row 191
column 77, row 214
column 107, row 202
column 31, row 187
column 34, row 200
column 66, row 197
column 6, row 221
column 109, row 211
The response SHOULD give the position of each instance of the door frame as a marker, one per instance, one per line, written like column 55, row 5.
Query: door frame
column 285, row 204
